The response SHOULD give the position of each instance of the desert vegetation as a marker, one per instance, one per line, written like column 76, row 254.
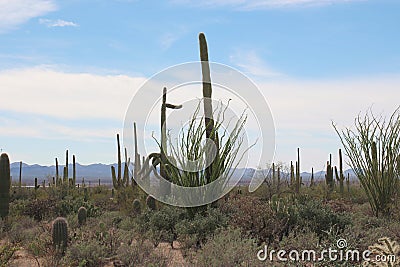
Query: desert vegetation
column 66, row 223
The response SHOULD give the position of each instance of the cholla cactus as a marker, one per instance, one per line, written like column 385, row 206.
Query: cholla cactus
column 386, row 249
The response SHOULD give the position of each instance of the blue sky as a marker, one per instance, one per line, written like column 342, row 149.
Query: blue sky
column 68, row 68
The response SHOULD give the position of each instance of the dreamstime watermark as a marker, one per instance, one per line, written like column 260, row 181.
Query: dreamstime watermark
column 339, row 254
column 233, row 93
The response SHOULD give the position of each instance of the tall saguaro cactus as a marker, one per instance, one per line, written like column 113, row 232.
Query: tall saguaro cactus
column 329, row 177
column 20, row 174
column 5, row 184
column 73, row 171
column 340, row 176
column 118, row 180
column 207, row 100
column 66, row 167
column 298, row 178
column 163, row 147
column 136, row 168
column 57, row 175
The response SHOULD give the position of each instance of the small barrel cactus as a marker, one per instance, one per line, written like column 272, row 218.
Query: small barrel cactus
column 82, row 215
column 5, row 184
column 151, row 202
column 60, row 234
column 136, row 206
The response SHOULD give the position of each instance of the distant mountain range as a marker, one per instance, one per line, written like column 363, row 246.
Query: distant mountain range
column 93, row 172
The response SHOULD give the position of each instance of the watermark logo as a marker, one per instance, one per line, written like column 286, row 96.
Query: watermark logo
column 240, row 113
column 340, row 253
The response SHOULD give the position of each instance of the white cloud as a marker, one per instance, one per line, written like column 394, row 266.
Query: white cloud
column 66, row 95
column 252, row 64
column 57, row 23
column 16, row 12
column 302, row 110
column 257, row 4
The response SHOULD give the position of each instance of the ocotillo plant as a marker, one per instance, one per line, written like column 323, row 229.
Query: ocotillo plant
column 5, row 184
column 82, row 215
column 20, row 174
column 60, row 234
column 340, row 175
column 207, row 100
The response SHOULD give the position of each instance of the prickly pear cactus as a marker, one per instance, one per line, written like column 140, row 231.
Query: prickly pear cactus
column 82, row 215
column 59, row 233
column 5, row 183
column 151, row 202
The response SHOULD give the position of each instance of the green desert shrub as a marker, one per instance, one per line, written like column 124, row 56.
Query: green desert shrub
column 193, row 232
column 229, row 247
column 88, row 253
column 140, row 254
column 159, row 226
column 313, row 214
column 23, row 229
column 256, row 217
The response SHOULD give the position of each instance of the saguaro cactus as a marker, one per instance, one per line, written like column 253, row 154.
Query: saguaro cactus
column 82, row 215
column 20, row 174
column 291, row 173
column 207, row 100
column 57, row 174
column 118, row 180
column 163, row 147
column 5, row 184
column 340, row 175
column 312, row 182
column 329, row 177
column 66, row 167
column 73, row 171
column 60, row 234
column 298, row 177
column 36, row 184
column 136, row 168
